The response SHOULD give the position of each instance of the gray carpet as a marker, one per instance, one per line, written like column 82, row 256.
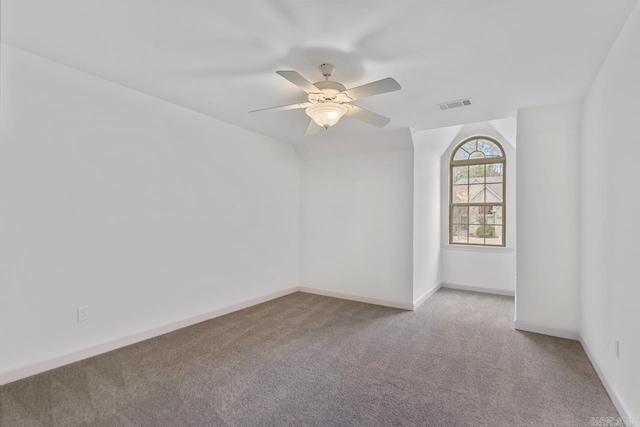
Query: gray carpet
column 311, row 360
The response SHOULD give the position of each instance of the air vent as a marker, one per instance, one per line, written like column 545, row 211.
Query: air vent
column 455, row 104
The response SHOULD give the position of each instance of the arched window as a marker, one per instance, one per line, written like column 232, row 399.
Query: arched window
column 477, row 193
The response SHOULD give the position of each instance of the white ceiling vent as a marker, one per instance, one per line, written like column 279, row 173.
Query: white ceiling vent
column 455, row 104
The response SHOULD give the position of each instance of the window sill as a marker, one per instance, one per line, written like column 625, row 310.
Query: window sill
column 471, row 248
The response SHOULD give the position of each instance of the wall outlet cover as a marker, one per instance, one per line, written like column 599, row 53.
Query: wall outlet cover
column 83, row 313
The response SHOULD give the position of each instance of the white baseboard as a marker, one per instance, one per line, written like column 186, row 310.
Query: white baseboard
column 417, row 303
column 43, row 365
column 622, row 408
column 545, row 330
column 358, row 298
column 478, row 289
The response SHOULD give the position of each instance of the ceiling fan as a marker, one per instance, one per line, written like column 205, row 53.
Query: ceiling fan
column 328, row 101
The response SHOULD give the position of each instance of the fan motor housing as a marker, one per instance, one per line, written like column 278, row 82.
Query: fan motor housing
column 329, row 92
column 329, row 88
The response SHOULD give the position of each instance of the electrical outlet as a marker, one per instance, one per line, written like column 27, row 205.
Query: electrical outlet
column 616, row 348
column 83, row 313
column 380, row 278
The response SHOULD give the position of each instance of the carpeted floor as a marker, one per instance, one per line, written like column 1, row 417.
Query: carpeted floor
column 311, row 360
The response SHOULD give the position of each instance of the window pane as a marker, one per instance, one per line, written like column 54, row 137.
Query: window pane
column 461, row 154
column 493, row 179
column 460, row 174
column 474, row 237
column 460, row 215
column 496, row 238
column 460, row 193
column 489, row 148
column 476, row 193
column 477, row 172
column 476, row 215
column 495, row 170
column 459, row 234
column 493, row 215
column 485, row 231
column 494, row 192
column 471, row 146
column 477, row 155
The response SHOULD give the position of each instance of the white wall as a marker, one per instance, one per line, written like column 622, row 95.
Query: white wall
column 428, row 148
column 357, row 216
column 146, row 212
column 610, row 291
column 492, row 269
column 547, row 294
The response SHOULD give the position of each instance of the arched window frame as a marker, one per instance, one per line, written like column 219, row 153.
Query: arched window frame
column 498, row 160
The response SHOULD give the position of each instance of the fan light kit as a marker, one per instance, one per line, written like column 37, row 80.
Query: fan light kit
column 326, row 114
column 329, row 101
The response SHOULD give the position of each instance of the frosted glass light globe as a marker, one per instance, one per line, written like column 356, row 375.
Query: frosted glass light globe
column 326, row 114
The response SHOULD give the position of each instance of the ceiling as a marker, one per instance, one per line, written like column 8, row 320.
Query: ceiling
column 220, row 57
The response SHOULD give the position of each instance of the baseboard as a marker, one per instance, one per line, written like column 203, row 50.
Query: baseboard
column 27, row 370
column 417, row 303
column 478, row 289
column 358, row 298
column 545, row 330
column 622, row 408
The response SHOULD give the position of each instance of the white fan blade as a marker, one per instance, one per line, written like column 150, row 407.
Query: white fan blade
column 295, row 78
column 284, row 107
column 368, row 116
column 312, row 129
column 375, row 88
